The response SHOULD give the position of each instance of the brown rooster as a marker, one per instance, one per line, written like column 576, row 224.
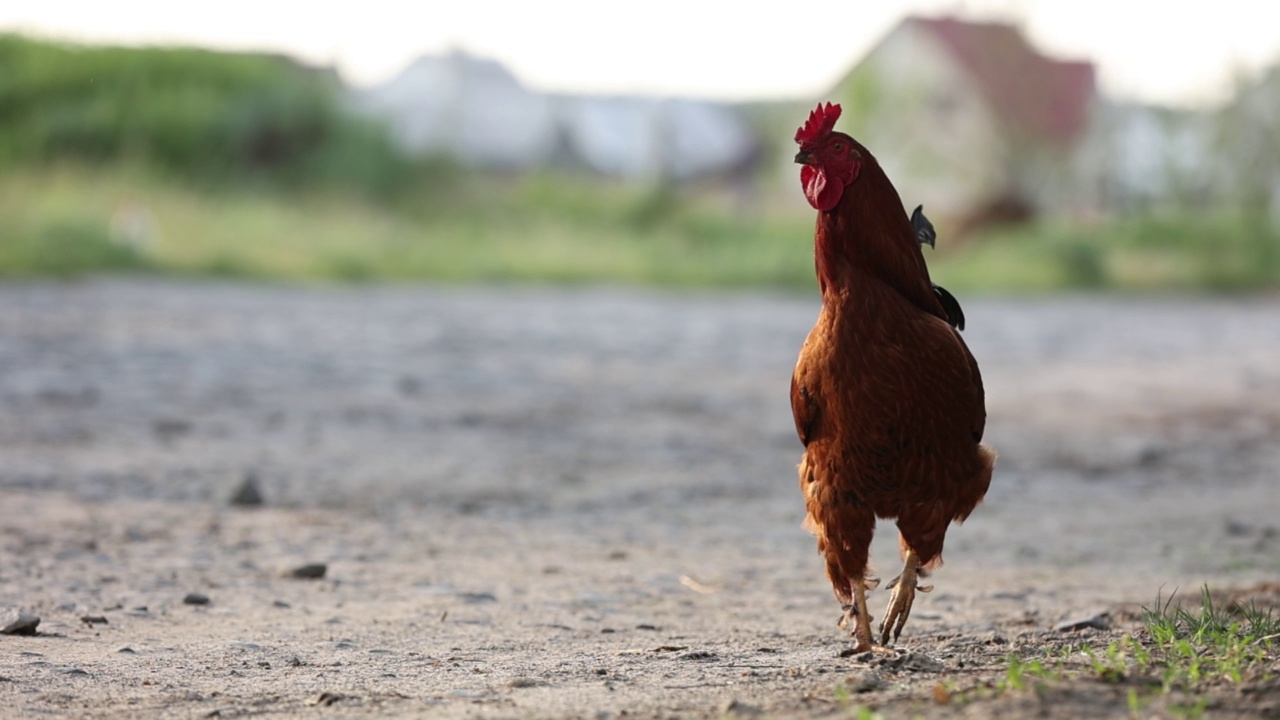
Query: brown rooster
column 887, row 398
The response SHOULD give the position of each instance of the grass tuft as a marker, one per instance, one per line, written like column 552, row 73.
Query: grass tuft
column 1180, row 662
column 1209, row 644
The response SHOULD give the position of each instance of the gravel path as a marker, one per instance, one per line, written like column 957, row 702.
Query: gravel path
column 564, row 502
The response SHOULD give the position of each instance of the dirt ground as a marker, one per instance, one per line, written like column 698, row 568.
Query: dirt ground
column 582, row 503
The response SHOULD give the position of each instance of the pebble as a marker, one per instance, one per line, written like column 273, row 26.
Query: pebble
column 1101, row 621
column 15, row 622
column 310, row 571
column 697, row 655
column 738, row 708
column 869, row 681
column 248, row 494
column 195, row 598
column 916, row 662
column 327, row 698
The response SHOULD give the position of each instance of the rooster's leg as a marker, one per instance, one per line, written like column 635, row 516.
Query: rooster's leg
column 904, row 594
column 860, row 615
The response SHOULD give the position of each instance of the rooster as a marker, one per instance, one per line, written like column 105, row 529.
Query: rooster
column 887, row 398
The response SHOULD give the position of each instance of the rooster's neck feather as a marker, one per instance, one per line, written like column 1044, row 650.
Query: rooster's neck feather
column 867, row 236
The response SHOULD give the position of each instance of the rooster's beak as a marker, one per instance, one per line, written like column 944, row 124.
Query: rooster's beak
column 804, row 158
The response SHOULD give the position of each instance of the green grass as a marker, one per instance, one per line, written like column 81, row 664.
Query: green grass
column 1192, row 648
column 459, row 228
column 454, row 226
column 1177, row 659
column 1218, row 252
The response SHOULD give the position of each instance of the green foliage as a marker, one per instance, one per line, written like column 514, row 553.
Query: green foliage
column 63, row 247
column 1176, row 664
column 1209, row 644
column 1112, row 665
column 449, row 224
column 1217, row 252
column 459, row 227
column 200, row 115
column 1020, row 673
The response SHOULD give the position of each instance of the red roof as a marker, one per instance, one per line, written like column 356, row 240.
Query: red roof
column 1027, row 90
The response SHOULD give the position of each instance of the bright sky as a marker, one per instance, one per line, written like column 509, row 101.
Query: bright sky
column 1156, row 50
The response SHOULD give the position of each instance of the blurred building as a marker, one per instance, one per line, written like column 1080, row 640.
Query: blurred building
column 1141, row 158
column 637, row 137
column 475, row 111
column 1250, row 144
column 1147, row 158
column 472, row 109
column 971, row 120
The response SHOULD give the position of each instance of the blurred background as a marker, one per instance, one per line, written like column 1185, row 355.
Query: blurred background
column 428, row 285
column 1054, row 144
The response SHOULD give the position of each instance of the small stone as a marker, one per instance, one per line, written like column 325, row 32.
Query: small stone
column 15, row 622
column 93, row 619
column 409, row 386
column 698, row 655
column 1101, row 621
column 195, row 598
column 526, row 682
column 915, row 662
column 327, row 698
column 127, row 650
column 466, row 693
column 866, row 682
column 310, row 571
column 737, row 708
column 1238, row 529
column 170, row 429
column 248, row 494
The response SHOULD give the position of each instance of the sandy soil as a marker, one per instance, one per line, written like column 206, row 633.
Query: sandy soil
column 580, row 503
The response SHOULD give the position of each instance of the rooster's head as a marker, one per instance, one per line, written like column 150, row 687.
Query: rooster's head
column 831, row 159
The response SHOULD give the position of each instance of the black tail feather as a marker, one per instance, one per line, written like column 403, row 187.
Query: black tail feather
column 927, row 235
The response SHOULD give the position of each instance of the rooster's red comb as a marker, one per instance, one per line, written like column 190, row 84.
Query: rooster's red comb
column 821, row 122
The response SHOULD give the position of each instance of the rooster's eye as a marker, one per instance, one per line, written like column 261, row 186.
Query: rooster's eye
column 838, row 147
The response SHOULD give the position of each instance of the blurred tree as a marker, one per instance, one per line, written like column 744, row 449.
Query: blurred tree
column 1250, row 140
column 207, row 116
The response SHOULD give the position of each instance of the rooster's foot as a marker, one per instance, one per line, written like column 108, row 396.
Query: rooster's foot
column 904, row 589
column 860, row 616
